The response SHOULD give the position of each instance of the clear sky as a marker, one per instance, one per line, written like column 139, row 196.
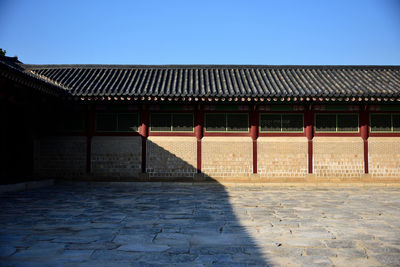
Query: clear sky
column 271, row 32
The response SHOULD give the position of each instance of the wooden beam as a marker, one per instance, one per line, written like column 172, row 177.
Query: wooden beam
column 89, row 134
column 3, row 140
column 144, row 133
column 309, row 125
column 254, row 135
column 199, row 130
column 364, row 127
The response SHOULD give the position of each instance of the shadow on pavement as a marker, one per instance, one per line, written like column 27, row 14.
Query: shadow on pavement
column 124, row 224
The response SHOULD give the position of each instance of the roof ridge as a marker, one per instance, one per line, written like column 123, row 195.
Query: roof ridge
column 211, row 66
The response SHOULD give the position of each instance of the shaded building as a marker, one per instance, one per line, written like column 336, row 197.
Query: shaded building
column 185, row 122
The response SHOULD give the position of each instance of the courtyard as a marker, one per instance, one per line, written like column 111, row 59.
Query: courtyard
column 178, row 224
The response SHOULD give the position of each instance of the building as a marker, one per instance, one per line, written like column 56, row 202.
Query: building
column 257, row 123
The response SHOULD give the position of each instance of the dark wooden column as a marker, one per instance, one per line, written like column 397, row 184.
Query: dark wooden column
column 364, row 125
column 29, row 137
column 309, row 128
column 144, row 133
column 254, row 135
column 89, row 134
column 198, row 130
column 3, row 136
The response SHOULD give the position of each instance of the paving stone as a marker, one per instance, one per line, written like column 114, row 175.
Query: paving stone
column 111, row 255
column 321, row 252
column 92, row 245
column 144, row 247
column 6, row 251
column 37, row 253
column 352, row 253
column 173, row 224
column 38, row 264
column 388, row 259
column 211, row 250
column 277, row 261
column 313, row 234
column 76, row 239
column 314, row 261
column 379, row 247
column 359, row 262
column 75, row 254
column 221, row 239
column 340, row 243
column 285, row 251
column 165, row 258
column 134, row 238
column 11, row 237
column 101, row 263
column 213, row 259
column 300, row 242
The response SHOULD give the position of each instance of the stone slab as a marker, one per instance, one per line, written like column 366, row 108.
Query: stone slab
column 197, row 224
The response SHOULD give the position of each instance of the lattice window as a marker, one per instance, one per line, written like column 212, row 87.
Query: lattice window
column 128, row 122
column 347, row 123
column 237, row 122
column 281, row 122
column 171, row 122
column 385, row 122
column 72, row 121
column 336, row 122
column 227, row 122
column 116, row 122
column 215, row 122
column 396, row 122
column 182, row 122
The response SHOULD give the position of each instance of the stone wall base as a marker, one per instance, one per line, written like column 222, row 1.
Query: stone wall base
column 254, row 179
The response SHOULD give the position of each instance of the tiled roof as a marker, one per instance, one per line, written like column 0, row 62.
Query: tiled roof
column 11, row 68
column 223, row 80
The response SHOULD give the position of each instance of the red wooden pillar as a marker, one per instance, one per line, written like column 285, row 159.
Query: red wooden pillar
column 309, row 128
column 89, row 134
column 198, row 130
column 254, row 135
column 364, row 125
column 144, row 133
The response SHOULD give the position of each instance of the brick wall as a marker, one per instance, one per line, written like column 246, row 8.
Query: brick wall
column 171, row 156
column 227, row 156
column 384, row 156
column 338, row 157
column 61, row 156
column 282, row 156
column 116, row 156
column 333, row 157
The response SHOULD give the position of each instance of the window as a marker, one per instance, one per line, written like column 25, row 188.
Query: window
column 117, row 122
column 72, row 121
column 171, row 122
column 385, row 122
column 281, row 122
column 330, row 122
column 226, row 122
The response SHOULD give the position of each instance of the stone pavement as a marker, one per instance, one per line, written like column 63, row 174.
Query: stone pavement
column 178, row 224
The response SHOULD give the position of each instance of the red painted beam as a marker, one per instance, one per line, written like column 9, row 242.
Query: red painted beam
column 198, row 132
column 144, row 133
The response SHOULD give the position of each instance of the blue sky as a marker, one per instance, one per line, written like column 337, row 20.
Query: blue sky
column 202, row 32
